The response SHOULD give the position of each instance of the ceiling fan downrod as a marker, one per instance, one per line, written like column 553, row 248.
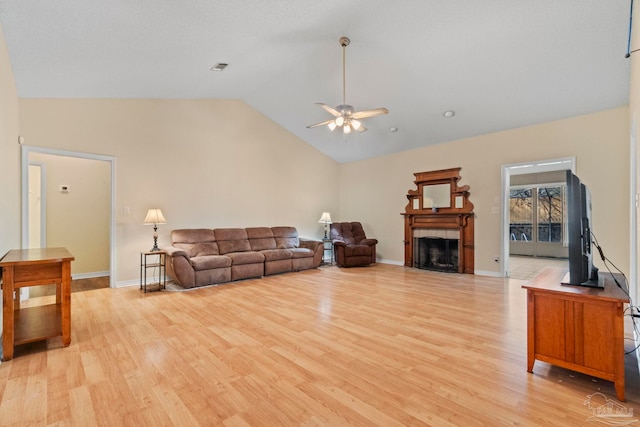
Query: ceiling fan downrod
column 344, row 42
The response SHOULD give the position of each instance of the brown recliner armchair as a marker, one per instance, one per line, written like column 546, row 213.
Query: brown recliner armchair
column 351, row 247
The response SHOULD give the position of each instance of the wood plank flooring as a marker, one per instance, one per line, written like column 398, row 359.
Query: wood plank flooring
column 377, row 346
column 77, row 285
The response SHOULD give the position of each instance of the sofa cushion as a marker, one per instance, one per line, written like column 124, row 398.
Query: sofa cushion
column 261, row 238
column 210, row 261
column 193, row 235
column 195, row 242
column 250, row 257
column 232, row 240
column 198, row 249
column 286, row 237
column 301, row 252
column 276, row 254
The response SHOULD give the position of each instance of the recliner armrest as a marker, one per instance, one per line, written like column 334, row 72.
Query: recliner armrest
column 369, row 242
column 338, row 243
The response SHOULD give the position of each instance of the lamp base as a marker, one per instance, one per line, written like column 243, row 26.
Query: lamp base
column 155, row 247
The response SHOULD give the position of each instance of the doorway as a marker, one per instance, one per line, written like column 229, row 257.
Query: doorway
column 535, row 192
column 82, row 162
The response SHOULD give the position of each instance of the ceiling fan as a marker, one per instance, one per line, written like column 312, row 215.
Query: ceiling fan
column 344, row 115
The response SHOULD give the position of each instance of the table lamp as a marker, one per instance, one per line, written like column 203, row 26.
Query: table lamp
column 155, row 217
column 326, row 220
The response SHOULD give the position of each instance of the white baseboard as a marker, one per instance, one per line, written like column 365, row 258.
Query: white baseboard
column 125, row 283
column 134, row 282
column 487, row 273
column 89, row 275
column 390, row 261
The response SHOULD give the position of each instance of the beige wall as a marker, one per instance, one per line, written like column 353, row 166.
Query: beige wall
column 205, row 163
column 374, row 191
column 9, row 157
column 220, row 163
column 79, row 219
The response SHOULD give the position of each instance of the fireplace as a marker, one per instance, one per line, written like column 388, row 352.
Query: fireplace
column 436, row 253
column 439, row 236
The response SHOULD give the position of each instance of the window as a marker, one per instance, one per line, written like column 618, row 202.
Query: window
column 521, row 214
column 540, row 218
column 550, row 214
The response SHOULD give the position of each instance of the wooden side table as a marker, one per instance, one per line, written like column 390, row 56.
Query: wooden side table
column 35, row 267
column 153, row 259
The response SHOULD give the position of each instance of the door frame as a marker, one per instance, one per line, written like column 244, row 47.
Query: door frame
column 25, row 151
column 43, row 204
column 522, row 168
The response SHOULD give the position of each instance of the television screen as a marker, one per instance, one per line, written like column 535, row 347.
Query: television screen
column 582, row 272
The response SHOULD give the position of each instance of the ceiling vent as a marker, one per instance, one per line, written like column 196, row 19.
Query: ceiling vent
column 219, row 66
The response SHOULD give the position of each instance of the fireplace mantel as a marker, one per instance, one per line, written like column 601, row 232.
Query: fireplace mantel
column 453, row 210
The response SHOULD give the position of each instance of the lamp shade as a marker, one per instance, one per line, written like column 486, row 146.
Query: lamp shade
column 154, row 216
column 325, row 218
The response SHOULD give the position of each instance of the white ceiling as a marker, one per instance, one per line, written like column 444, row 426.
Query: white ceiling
column 499, row 64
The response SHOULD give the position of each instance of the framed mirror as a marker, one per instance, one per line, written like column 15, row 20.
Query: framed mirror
column 436, row 196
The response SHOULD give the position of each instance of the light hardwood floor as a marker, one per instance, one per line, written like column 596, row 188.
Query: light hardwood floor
column 526, row 268
column 377, row 346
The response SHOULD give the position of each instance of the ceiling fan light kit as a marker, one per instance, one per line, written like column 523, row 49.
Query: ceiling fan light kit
column 345, row 115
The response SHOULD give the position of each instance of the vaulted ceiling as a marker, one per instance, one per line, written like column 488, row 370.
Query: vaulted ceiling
column 498, row 64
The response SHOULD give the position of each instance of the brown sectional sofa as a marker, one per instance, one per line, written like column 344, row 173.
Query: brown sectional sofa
column 203, row 256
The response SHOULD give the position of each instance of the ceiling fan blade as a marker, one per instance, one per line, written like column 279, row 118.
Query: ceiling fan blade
column 320, row 124
column 369, row 113
column 362, row 129
column 333, row 111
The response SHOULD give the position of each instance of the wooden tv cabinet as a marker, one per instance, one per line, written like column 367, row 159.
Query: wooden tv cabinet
column 34, row 267
column 576, row 327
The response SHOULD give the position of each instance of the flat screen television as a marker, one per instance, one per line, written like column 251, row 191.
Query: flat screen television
column 582, row 272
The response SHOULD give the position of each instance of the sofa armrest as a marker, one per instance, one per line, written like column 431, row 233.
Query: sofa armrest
column 179, row 267
column 316, row 246
column 310, row 244
column 173, row 252
column 369, row 242
column 338, row 243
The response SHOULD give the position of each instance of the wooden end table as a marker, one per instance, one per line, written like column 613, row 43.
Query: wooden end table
column 35, row 267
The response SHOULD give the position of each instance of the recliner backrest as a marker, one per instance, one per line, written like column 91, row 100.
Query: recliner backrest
column 232, row 240
column 195, row 241
column 261, row 238
column 286, row 237
column 349, row 232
